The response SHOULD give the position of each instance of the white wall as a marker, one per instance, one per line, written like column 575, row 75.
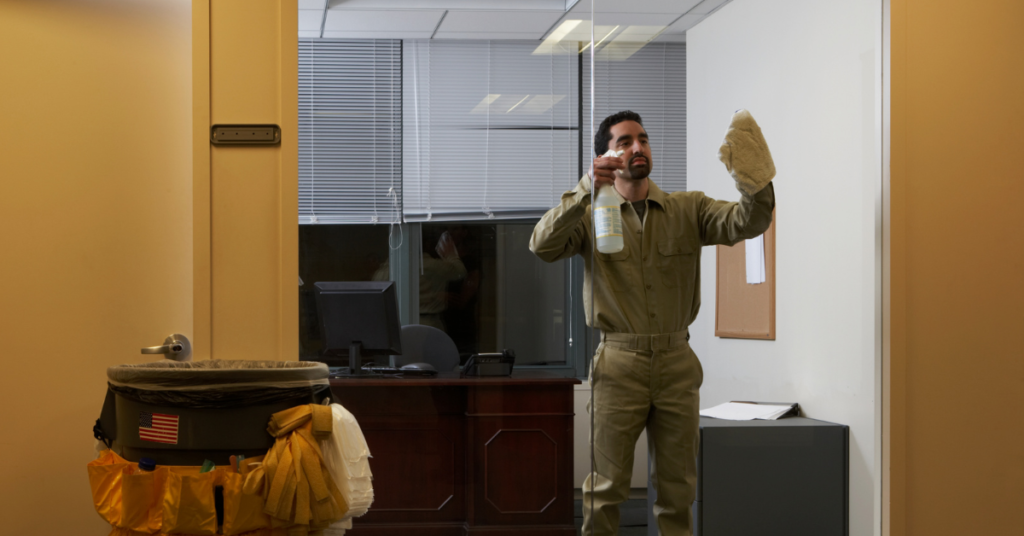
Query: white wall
column 809, row 73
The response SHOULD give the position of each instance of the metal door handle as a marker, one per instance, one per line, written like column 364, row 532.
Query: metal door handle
column 176, row 347
column 165, row 349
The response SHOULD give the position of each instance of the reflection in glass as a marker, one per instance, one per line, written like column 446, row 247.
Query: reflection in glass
column 478, row 282
column 613, row 42
column 334, row 253
column 440, row 266
column 483, row 287
column 490, row 130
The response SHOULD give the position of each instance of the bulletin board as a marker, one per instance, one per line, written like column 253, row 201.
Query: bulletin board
column 744, row 310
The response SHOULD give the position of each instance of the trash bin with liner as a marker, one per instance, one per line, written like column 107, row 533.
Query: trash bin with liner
column 182, row 413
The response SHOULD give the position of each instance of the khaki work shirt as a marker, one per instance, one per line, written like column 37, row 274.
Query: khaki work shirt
column 652, row 286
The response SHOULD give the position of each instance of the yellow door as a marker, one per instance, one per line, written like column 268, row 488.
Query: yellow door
column 956, row 371
column 96, row 240
column 247, row 202
column 120, row 224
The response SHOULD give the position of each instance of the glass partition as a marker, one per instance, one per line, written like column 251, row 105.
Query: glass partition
column 434, row 138
column 435, row 135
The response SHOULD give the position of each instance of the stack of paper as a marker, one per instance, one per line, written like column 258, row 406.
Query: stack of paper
column 744, row 411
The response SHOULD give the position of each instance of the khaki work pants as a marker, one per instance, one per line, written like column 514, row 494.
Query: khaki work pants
column 640, row 381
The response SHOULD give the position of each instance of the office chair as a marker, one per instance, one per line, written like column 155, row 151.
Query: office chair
column 425, row 344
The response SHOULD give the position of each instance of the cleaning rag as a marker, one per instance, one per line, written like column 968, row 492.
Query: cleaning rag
column 745, row 154
column 298, row 489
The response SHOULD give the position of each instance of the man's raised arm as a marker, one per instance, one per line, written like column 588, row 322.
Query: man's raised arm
column 747, row 158
column 561, row 233
column 727, row 223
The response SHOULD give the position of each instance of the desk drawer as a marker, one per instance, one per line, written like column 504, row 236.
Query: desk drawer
column 401, row 400
column 541, row 401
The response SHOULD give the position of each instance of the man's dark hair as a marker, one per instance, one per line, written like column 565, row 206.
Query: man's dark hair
column 604, row 133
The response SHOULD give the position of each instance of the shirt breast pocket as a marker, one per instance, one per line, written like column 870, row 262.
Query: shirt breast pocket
column 677, row 258
column 615, row 270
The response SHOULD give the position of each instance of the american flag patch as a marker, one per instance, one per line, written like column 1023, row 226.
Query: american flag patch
column 158, row 427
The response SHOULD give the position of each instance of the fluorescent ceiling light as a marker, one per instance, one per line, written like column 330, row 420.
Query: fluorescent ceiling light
column 516, row 104
column 540, row 104
column 582, row 32
column 484, row 104
column 638, row 34
column 548, row 45
column 599, row 41
column 628, row 42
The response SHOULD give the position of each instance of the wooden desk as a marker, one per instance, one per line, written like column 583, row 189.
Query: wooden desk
column 459, row 456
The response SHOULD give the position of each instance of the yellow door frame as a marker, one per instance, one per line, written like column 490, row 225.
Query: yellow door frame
column 245, row 213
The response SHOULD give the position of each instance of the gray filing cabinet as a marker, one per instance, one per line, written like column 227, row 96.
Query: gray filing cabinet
column 787, row 477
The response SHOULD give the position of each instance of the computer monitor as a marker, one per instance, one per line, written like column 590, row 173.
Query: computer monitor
column 358, row 318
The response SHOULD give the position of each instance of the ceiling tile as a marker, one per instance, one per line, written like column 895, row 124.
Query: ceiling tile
column 499, row 21
column 687, row 5
column 670, row 38
column 309, row 19
column 311, row 4
column 635, row 6
column 420, row 20
column 505, row 5
column 531, row 36
column 685, row 23
column 378, row 35
column 309, row 33
column 707, row 6
column 636, row 19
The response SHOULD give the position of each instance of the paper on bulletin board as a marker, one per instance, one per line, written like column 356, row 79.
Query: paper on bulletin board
column 755, row 260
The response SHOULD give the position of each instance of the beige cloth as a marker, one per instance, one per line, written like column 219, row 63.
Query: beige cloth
column 745, row 154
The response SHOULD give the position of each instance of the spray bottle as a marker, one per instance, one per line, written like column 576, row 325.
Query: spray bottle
column 608, row 216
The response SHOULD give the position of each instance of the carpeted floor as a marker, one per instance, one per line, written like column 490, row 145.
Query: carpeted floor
column 633, row 517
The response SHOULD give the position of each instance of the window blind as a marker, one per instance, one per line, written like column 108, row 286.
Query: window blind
column 490, row 129
column 652, row 83
column 350, row 136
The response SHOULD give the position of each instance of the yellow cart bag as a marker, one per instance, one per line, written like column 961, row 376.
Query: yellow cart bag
column 173, row 499
column 188, row 501
column 243, row 512
column 105, row 478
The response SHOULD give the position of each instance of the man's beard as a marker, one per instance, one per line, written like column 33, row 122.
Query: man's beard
column 638, row 172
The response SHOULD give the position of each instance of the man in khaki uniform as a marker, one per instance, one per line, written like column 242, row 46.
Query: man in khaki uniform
column 644, row 373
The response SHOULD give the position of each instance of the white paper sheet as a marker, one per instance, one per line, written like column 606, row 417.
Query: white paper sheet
column 764, row 274
column 755, row 260
column 738, row 411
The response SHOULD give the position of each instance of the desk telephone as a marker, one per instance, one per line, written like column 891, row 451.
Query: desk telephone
column 497, row 364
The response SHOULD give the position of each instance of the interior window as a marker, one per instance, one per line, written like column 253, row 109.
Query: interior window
column 491, row 293
column 334, row 253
